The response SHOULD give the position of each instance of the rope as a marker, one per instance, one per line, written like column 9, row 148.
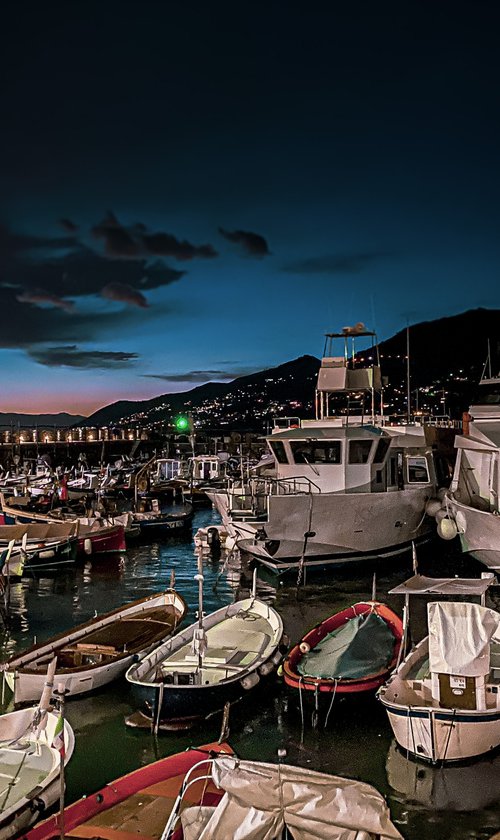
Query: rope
column 331, row 701
column 301, row 711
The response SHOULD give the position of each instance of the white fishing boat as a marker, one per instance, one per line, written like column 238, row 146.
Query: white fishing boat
column 34, row 743
column 471, row 508
column 443, row 701
column 262, row 800
column 348, row 486
column 97, row 652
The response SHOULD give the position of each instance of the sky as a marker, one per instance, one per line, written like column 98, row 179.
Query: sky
column 194, row 191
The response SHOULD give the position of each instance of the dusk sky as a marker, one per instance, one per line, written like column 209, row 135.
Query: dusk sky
column 196, row 191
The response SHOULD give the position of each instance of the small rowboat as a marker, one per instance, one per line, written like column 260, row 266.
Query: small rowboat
column 352, row 652
column 99, row 651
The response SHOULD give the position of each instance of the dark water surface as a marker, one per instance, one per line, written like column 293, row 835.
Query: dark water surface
column 426, row 803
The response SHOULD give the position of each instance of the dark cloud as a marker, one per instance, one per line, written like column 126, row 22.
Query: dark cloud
column 68, row 225
column 253, row 243
column 124, row 293
column 200, row 376
column 40, row 296
column 70, row 356
column 336, row 263
column 136, row 242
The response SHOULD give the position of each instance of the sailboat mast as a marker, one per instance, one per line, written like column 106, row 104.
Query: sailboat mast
column 408, row 384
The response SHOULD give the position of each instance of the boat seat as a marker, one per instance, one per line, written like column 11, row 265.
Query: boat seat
column 89, row 648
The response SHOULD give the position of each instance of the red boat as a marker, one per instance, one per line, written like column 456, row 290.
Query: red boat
column 104, row 539
column 353, row 651
column 142, row 800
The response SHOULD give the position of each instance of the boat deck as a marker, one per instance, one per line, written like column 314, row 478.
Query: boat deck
column 232, row 646
column 120, row 638
column 22, row 770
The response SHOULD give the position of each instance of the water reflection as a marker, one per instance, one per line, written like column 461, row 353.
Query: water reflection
column 460, row 788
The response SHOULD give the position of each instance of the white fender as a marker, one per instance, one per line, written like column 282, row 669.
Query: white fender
column 447, row 529
column 432, row 507
column 87, row 546
column 250, row 681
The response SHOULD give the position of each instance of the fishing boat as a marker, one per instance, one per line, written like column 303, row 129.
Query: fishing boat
column 263, row 800
column 443, row 700
column 139, row 802
column 471, row 507
column 350, row 653
column 44, row 545
column 154, row 519
column 215, row 661
column 95, row 535
column 348, row 486
column 95, row 653
column 35, row 744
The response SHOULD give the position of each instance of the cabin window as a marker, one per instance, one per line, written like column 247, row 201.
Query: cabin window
column 359, row 451
column 316, row 452
column 381, row 450
column 279, row 451
column 417, row 470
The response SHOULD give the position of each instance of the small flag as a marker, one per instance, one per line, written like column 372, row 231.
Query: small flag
column 58, row 739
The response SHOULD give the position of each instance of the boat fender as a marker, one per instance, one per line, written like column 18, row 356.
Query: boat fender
column 304, row 647
column 447, row 529
column 432, row 507
column 284, row 644
column 37, row 805
column 441, row 493
column 230, row 543
column 250, row 681
column 276, row 658
column 87, row 546
column 441, row 514
column 266, row 668
column 213, row 537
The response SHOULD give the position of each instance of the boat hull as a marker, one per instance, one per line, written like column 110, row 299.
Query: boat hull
column 479, row 532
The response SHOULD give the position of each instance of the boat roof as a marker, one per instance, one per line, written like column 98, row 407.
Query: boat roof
column 327, row 432
column 422, row 585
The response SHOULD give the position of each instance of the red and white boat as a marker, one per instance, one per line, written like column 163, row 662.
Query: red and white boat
column 351, row 652
column 143, row 798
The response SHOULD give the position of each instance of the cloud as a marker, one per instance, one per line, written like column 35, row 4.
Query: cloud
column 336, row 263
column 40, row 296
column 70, row 356
column 136, row 241
column 253, row 243
column 124, row 293
column 201, row 376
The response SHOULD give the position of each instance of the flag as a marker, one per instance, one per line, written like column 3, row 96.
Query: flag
column 58, row 739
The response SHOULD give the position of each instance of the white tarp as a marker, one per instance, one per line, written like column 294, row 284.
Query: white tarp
column 261, row 798
column 422, row 585
column 460, row 635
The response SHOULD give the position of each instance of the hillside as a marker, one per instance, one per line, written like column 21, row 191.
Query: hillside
column 61, row 420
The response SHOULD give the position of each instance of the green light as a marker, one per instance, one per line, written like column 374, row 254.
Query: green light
column 182, row 423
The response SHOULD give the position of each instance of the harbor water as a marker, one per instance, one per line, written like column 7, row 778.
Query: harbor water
column 427, row 803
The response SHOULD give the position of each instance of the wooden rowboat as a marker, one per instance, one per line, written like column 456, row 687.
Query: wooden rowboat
column 99, row 651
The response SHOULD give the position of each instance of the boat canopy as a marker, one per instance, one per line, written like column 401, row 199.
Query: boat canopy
column 261, row 799
column 362, row 646
column 460, row 636
column 422, row 585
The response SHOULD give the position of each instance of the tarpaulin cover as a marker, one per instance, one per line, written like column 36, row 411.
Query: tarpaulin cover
column 260, row 799
column 422, row 585
column 460, row 635
column 362, row 646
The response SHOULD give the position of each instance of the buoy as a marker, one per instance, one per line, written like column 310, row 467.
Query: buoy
column 441, row 514
column 250, row 681
column 447, row 529
column 432, row 507
column 304, row 647
column 266, row 669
